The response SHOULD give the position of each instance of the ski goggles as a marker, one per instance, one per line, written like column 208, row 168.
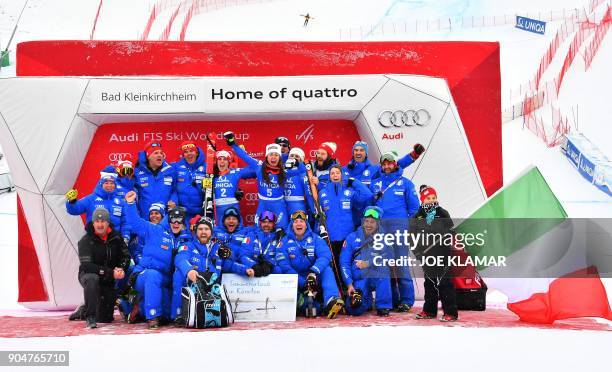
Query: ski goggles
column 188, row 147
column 299, row 214
column 231, row 212
column 267, row 215
column 371, row 212
column 283, row 141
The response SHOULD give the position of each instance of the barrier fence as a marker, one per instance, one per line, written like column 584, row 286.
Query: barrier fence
column 189, row 8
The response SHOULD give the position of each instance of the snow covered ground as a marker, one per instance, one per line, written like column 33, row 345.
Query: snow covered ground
column 352, row 348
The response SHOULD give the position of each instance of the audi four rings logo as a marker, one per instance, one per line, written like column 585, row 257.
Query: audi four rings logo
column 117, row 156
column 407, row 118
column 250, row 196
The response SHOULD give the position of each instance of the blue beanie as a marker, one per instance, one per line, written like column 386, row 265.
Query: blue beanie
column 159, row 207
column 361, row 144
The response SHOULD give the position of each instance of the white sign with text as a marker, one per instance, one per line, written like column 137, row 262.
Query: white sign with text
column 269, row 299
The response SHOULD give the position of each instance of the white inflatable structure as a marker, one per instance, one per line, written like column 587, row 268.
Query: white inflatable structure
column 47, row 125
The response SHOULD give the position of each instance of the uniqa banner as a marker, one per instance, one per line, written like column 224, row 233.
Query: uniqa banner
column 531, row 25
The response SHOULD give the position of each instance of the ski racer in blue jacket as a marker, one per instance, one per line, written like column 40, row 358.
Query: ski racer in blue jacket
column 297, row 188
column 227, row 193
column 155, row 179
column 259, row 247
column 323, row 163
column 190, row 170
column 363, row 269
column 337, row 201
column 125, row 177
column 271, row 178
column 154, row 271
column 398, row 199
column 104, row 195
column 360, row 168
column 305, row 253
column 201, row 253
column 231, row 232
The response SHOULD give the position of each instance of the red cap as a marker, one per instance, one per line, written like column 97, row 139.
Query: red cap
column 151, row 147
column 428, row 191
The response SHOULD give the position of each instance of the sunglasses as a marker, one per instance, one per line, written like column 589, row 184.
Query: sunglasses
column 267, row 215
column 176, row 220
column 372, row 213
column 189, row 146
column 299, row 214
column 155, row 144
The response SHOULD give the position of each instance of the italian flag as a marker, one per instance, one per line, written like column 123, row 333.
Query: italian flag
column 551, row 261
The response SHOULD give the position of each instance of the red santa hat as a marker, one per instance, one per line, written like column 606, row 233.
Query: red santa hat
column 330, row 148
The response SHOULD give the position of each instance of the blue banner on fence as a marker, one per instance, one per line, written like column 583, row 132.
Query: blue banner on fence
column 531, row 25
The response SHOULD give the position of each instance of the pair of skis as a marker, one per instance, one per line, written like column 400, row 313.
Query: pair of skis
column 208, row 205
column 322, row 220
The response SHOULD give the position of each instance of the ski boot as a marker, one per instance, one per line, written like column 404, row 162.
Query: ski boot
column 382, row 312
column 333, row 307
column 311, row 308
column 403, row 308
column 153, row 324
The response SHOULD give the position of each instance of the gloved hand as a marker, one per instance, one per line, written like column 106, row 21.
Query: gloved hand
column 72, row 195
column 230, row 138
column 125, row 171
column 239, row 194
column 350, row 181
column 356, row 298
column 279, row 234
column 311, row 282
column 351, row 165
column 224, row 252
column 290, row 163
column 323, row 233
column 207, row 183
column 418, row 149
column 379, row 194
column 263, row 268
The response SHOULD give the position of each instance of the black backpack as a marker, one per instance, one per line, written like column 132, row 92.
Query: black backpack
column 205, row 304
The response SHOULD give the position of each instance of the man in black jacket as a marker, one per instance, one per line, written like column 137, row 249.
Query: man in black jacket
column 104, row 258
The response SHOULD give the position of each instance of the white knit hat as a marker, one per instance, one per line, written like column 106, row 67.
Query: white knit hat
column 223, row 154
column 299, row 152
column 273, row 148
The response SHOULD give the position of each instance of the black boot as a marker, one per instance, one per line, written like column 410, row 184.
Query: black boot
column 78, row 314
column 382, row 312
column 91, row 322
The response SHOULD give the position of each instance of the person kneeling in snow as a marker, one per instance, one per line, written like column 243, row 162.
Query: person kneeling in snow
column 201, row 254
column 259, row 247
column 305, row 253
column 104, row 258
column 362, row 272
column 433, row 219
